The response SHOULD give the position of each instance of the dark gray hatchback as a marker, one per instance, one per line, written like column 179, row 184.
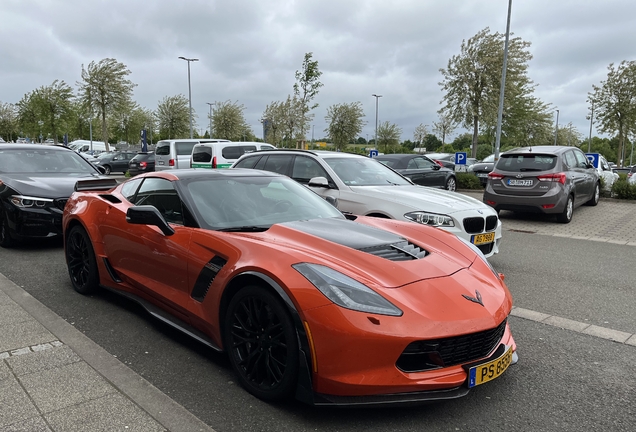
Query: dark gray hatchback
column 543, row 179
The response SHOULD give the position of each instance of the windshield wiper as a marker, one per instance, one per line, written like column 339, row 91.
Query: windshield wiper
column 246, row 228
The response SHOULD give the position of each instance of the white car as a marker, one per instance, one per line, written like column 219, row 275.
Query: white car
column 605, row 171
column 364, row 186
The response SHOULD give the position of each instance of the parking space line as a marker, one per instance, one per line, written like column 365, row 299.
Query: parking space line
column 576, row 326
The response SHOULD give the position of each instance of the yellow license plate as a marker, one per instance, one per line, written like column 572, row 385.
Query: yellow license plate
column 480, row 239
column 489, row 371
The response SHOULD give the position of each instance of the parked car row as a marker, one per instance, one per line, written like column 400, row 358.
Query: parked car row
column 254, row 264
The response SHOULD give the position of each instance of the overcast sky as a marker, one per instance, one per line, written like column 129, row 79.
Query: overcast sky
column 249, row 50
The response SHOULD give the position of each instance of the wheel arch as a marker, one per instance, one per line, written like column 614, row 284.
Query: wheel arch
column 304, row 388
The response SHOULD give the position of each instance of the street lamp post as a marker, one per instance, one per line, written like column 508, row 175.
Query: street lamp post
column 502, row 88
column 376, row 119
column 209, row 103
column 189, row 89
column 589, row 143
column 556, row 128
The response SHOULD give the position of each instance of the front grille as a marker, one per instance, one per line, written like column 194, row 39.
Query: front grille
column 491, row 223
column 474, row 225
column 486, row 248
column 60, row 203
column 402, row 251
column 438, row 353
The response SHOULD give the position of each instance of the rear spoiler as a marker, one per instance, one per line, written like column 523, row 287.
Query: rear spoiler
column 95, row 185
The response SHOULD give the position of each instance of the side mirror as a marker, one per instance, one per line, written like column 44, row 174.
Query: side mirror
column 319, row 182
column 148, row 215
column 436, row 167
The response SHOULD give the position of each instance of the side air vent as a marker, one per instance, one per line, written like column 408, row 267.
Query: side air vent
column 402, row 251
column 110, row 198
column 206, row 277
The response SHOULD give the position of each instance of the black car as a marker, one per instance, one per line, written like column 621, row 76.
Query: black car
column 35, row 183
column 483, row 168
column 143, row 162
column 421, row 170
column 114, row 161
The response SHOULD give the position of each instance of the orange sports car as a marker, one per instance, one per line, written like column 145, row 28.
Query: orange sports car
column 307, row 302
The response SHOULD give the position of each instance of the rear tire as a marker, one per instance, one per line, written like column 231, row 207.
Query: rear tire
column 451, row 184
column 566, row 216
column 106, row 169
column 81, row 261
column 595, row 197
column 262, row 344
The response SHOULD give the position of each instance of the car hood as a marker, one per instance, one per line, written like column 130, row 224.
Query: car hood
column 422, row 197
column 369, row 252
column 45, row 185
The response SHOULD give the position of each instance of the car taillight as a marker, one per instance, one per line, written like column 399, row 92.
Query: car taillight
column 495, row 176
column 214, row 162
column 629, row 174
column 171, row 162
column 558, row 177
column 439, row 163
column 143, row 165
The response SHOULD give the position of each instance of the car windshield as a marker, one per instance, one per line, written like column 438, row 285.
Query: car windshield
column 365, row 172
column 253, row 203
column 490, row 158
column 43, row 161
column 526, row 162
column 104, row 155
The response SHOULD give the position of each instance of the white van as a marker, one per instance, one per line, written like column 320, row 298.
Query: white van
column 224, row 154
column 176, row 153
column 85, row 146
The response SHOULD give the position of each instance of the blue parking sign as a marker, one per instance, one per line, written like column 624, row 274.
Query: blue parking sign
column 593, row 157
column 460, row 158
column 373, row 153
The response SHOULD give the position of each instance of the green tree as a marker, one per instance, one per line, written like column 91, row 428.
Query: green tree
column 29, row 115
column 8, row 121
column 228, row 121
column 389, row 136
column 472, row 79
column 306, row 89
column 55, row 106
column 615, row 103
column 173, row 117
column 273, row 123
column 444, row 126
column 431, row 143
column 292, row 119
column 105, row 88
column 345, row 122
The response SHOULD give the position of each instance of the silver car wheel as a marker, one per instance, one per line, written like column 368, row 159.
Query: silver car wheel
column 451, row 184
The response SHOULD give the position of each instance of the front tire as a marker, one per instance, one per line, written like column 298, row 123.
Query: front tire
column 566, row 216
column 106, row 169
column 595, row 197
column 81, row 261
column 451, row 184
column 261, row 341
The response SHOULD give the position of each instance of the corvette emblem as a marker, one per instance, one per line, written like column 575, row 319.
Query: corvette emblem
column 476, row 299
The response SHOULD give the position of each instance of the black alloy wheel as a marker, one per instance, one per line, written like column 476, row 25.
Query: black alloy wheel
column 262, row 343
column 5, row 236
column 81, row 262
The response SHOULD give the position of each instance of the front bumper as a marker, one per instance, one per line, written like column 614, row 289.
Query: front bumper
column 32, row 222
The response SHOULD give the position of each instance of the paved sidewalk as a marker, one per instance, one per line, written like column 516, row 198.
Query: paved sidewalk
column 54, row 378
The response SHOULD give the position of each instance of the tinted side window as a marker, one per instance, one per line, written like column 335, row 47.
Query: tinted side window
column 421, row 162
column 305, row 169
column 569, row 159
column 581, row 160
column 163, row 149
column 248, row 162
column 161, row 194
column 231, row 152
column 129, row 189
column 248, row 149
column 184, row 148
column 202, row 154
column 278, row 164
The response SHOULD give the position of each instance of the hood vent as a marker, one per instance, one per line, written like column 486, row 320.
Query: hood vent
column 402, row 251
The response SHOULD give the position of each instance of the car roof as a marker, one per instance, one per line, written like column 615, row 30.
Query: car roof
column 540, row 149
column 398, row 156
column 58, row 147
column 194, row 173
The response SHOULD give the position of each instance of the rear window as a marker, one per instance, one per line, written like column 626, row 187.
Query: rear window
column 526, row 162
column 202, row 154
column 163, row 149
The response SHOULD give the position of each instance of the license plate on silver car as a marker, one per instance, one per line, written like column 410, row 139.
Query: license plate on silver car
column 515, row 182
